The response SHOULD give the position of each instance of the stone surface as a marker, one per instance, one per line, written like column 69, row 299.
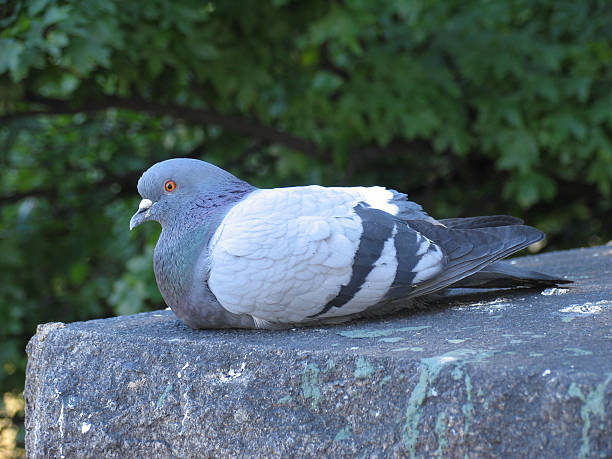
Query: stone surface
column 510, row 374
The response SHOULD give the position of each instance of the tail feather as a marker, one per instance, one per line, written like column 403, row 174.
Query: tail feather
column 489, row 221
column 469, row 251
column 504, row 275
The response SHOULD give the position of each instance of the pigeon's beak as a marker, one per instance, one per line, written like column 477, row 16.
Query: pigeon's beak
column 142, row 214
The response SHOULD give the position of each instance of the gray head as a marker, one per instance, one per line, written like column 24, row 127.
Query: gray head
column 168, row 186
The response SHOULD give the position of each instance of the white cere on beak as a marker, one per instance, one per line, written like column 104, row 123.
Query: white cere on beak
column 145, row 204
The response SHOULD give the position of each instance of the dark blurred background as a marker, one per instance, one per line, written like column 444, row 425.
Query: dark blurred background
column 471, row 108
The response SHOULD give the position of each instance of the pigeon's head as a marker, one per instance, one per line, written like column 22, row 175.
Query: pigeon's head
column 167, row 186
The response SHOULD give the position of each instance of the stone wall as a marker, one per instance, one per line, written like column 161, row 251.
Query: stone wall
column 522, row 373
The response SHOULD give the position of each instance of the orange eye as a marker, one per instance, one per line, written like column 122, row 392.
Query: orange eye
column 170, row 185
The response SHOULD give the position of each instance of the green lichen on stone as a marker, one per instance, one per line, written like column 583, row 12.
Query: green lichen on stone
column 285, row 400
column 456, row 341
column 310, row 384
column 430, row 369
column 393, row 339
column 368, row 333
column 468, row 406
column 364, row 369
column 384, row 381
column 365, row 333
column 415, row 328
column 535, row 354
column 441, row 422
column 593, row 405
column 344, row 433
column 576, row 351
column 412, row 349
column 163, row 396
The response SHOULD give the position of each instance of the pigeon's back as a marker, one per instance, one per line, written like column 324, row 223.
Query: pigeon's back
column 304, row 254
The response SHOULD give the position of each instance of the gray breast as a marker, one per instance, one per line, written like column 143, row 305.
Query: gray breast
column 182, row 269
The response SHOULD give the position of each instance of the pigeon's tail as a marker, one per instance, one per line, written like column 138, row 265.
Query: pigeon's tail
column 473, row 247
column 504, row 275
column 499, row 274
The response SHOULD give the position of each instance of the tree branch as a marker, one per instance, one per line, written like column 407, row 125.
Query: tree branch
column 127, row 182
column 328, row 64
column 11, row 198
column 242, row 125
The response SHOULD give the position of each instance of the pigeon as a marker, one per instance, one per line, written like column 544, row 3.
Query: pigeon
column 231, row 255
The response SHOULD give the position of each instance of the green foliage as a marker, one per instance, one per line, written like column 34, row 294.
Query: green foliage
column 471, row 108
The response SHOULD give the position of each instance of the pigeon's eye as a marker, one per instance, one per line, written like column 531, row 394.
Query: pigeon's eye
column 170, row 185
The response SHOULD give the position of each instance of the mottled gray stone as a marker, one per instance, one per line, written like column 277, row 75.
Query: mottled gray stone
column 507, row 374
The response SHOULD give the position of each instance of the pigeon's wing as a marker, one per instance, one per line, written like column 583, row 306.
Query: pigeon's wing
column 291, row 255
column 468, row 251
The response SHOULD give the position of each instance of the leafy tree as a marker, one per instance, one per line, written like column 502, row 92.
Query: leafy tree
column 471, row 108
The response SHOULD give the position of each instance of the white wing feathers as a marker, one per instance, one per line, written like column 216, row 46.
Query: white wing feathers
column 281, row 255
column 375, row 196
